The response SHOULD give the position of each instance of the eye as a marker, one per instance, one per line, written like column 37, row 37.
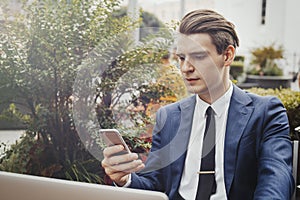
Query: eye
column 199, row 56
column 181, row 58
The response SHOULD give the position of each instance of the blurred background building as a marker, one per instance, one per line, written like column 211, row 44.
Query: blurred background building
column 258, row 22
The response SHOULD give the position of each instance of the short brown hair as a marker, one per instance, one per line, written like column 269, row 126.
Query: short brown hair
column 220, row 30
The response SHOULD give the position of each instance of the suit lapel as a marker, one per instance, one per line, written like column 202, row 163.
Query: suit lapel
column 180, row 141
column 238, row 116
column 239, row 112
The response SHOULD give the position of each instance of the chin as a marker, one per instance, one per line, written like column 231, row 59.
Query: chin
column 196, row 89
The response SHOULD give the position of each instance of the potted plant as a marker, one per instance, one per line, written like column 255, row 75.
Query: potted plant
column 265, row 71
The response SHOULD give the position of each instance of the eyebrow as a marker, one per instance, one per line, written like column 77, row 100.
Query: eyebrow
column 193, row 53
column 198, row 52
column 179, row 54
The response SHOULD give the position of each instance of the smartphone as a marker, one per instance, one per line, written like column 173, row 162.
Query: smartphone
column 113, row 137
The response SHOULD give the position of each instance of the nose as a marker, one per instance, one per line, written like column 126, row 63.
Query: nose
column 186, row 66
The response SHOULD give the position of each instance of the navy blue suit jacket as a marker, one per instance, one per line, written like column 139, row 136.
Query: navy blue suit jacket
column 257, row 154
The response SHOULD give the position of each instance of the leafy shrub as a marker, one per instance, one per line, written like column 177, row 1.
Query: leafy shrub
column 52, row 42
column 12, row 119
column 41, row 51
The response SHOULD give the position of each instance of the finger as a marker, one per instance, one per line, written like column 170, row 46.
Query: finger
column 109, row 151
column 119, row 178
column 115, row 160
column 116, row 175
column 126, row 167
column 139, row 168
column 104, row 163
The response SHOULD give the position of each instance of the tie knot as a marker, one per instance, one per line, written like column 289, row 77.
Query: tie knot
column 209, row 111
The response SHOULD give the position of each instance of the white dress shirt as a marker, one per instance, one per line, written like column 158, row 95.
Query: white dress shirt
column 189, row 180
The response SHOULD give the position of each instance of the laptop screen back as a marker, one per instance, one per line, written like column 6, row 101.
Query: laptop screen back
column 26, row 187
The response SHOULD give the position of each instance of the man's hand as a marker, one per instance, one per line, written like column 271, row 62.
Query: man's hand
column 118, row 167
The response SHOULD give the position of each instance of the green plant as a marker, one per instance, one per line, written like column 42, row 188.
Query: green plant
column 263, row 61
column 47, row 50
column 41, row 51
column 291, row 101
column 17, row 156
column 237, row 67
column 12, row 118
column 149, row 23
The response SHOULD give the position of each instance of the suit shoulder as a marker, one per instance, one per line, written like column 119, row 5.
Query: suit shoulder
column 176, row 106
column 260, row 98
column 250, row 98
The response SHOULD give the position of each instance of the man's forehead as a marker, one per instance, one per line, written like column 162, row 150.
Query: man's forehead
column 193, row 42
column 187, row 43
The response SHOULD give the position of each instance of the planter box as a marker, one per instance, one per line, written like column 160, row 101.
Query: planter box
column 270, row 81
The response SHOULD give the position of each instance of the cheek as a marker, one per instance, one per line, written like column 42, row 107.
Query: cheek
column 207, row 69
column 180, row 65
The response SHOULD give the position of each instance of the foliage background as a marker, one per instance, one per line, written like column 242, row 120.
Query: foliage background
column 264, row 61
column 42, row 50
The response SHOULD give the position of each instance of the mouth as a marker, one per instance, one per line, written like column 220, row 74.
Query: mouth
column 190, row 80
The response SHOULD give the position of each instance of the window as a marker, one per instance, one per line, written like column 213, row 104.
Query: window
column 263, row 12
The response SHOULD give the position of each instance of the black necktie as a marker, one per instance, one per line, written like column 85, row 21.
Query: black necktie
column 207, row 182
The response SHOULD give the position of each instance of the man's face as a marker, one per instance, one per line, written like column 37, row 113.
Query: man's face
column 201, row 66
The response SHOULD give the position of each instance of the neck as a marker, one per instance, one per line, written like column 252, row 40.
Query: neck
column 213, row 94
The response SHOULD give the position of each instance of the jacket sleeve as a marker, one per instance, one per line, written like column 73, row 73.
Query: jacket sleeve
column 275, row 180
column 150, row 177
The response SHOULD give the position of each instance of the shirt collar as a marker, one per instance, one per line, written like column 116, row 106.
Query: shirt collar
column 219, row 106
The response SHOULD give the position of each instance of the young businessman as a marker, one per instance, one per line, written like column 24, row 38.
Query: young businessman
column 251, row 153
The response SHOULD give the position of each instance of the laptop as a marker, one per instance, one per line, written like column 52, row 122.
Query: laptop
column 27, row 187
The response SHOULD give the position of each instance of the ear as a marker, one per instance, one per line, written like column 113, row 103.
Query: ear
column 229, row 55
